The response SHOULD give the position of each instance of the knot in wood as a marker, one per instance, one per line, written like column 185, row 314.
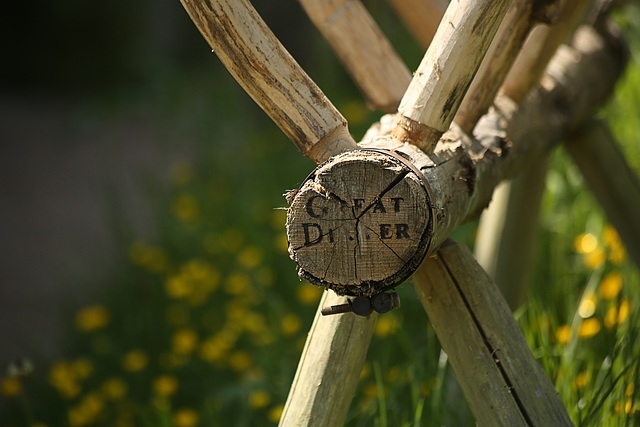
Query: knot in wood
column 361, row 223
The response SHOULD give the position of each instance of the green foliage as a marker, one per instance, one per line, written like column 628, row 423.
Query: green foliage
column 206, row 319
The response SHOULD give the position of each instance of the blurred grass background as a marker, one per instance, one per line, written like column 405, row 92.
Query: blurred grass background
column 145, row 273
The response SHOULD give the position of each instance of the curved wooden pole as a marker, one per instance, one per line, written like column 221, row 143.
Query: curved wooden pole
column 264, row 68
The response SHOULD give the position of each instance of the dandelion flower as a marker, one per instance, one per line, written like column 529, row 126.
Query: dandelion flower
column 581, row 381
column 184, row 341
column 135, row 360
column 563, row 334
column 611, row 317
column 92, row 318
column 114, row 388
column 386, row 325
column 308, row 294
column 165, row 385
column 11, row 386
column 240, row 361
column 290, row 324
column 624, row 310
column 250, row 257
column 589, row 327
column 587, row 305
column 275, row 413
column 611, row 285
column 259, row 399
column 185, row 418
column 585, row 243
column 595, row 259
column 185, row 207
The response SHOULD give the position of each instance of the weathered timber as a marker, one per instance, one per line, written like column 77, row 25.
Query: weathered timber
column 363, row 49
column 612, row 181
column 360, row 223
column 539, row 49
column 268, row 73
column 329, row 368
column 422, row 17
column 463, row 172
column 442, row 79
column 503, row 383
column 508, row 231
column 515, row 27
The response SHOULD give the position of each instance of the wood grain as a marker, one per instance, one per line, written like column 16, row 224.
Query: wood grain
column 442, row 79
column 503, row 383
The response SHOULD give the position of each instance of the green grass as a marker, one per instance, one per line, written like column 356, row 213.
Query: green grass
column 205, row 320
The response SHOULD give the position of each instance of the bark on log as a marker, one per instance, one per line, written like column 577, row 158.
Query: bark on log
column 442, row 79
column 363, row 49
column 611, row 179
column 503, row 383
column 266, row 71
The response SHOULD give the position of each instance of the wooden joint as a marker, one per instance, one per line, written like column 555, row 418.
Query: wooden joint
column 418, row 134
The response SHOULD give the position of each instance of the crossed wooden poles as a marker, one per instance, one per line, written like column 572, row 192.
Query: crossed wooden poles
column 482, row 55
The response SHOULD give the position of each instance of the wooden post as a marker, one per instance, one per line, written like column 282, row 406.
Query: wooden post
column 329, row 368
column 611, row 179
column 266, row 71
column 442, row 79
column 463, row 172
column 363, row 49
column 503, row 383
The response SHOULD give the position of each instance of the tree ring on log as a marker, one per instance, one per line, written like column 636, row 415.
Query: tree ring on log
column 361, row 223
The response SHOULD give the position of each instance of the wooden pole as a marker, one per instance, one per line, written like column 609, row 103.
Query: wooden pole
column 266, row 71
column 363, row 49
column 503, row 383
column 442, row 79
column 329, row 368
column 612, row 181
column 521, row 17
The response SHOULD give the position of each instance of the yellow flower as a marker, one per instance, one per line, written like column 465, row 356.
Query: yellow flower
column 595, row 259
column 585, row 243
column 86, row 411
column 563, row 334
column 275, row 413
column 82, row 368
column 63, row 378
column 92, row 318
column 250, row 257
column 11, row 386
column 185, row 207
column 366, row 371
column 611, row 285
column 624, row 310
column 627, row 406
column 308, row 294
column 152, row 258
column 628, row 391
column 184, row 341
column 589, row 327
column 114, row 388
column 165, row 385
column 582, row 379
column 611, row 317
column 185, row 418
column 181, row 172
column 238, row 283
column 135, row 360
column 587, row 305
column 290, row 324
column 259, row 399
column 386, row 325
column 240, row 361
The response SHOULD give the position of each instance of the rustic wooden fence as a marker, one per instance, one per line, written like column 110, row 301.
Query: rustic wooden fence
column 501, row 84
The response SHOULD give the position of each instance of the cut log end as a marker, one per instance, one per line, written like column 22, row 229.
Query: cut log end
column 361, row 223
